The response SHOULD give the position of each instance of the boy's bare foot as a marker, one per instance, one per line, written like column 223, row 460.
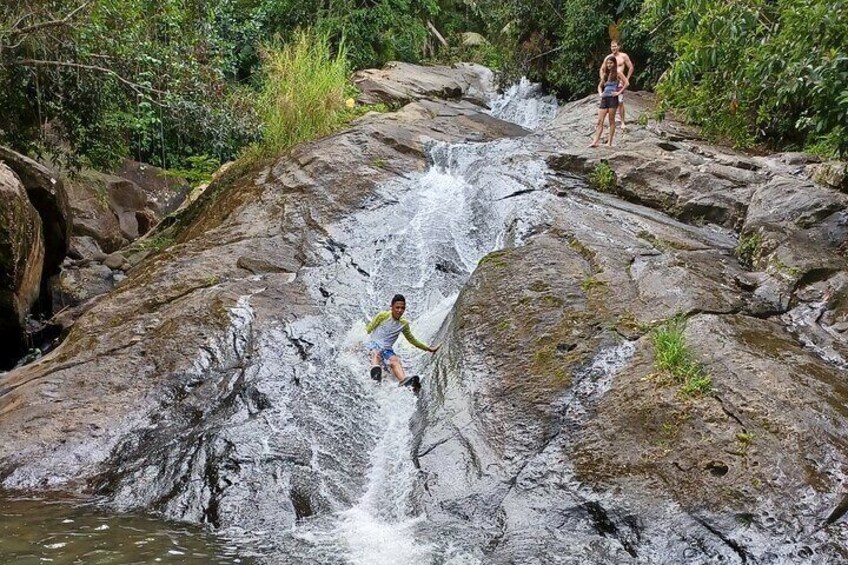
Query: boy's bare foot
column 608, row 144
column 593, row 144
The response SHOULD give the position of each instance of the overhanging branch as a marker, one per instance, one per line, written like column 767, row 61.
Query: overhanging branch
column 46, row 24
column 140, row 89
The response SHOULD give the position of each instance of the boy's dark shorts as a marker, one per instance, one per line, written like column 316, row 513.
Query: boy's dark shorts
column 608, row 102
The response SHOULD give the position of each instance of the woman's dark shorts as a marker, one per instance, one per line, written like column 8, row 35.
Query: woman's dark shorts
column 608, row 102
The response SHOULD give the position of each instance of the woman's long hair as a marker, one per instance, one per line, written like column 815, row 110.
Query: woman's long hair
column 610, row 74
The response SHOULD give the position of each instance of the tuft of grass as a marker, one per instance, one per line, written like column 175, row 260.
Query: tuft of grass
column 628, row 321
column 784, row 269
column 590, row 284
column 674, row 360
column 748, row 248
column 588, row 254
column 552, row 301
column 158, row 243
column 304, row 93
column 539, row 286
column 745, row 439
column 697, row 385
column 603, row 177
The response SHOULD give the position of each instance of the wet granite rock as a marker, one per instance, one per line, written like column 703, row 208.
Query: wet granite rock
column 400, row 83
column 47, row 194
column 164, row 191
column 75, row 285
column 198, row 387
column 128, row 202
column 546, row 413
column 112, row 210
column 85, row 247
column 193, row 346
column 87, row 192
column 831, row 173
column 21, row 261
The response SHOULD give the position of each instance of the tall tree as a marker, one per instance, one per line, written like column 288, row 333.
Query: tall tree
column 102, row 79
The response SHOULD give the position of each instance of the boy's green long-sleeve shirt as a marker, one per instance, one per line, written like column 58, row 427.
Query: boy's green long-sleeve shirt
column 385, row 331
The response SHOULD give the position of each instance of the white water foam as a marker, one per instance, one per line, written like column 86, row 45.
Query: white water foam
column 380, row 528
column 523, row 104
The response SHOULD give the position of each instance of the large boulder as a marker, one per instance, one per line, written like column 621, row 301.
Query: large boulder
column 400, row 83
column 89, row 199
column 47, row 194
column 111, row 210
column 831, row 173
column 77, row 284
column 129, row 204
column 548, row 428
column 165, row 191
column 21, row 262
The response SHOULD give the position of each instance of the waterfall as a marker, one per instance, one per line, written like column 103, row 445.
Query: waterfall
column 421, row 236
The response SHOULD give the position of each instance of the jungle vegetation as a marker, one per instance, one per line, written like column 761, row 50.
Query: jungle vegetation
column 191, row 83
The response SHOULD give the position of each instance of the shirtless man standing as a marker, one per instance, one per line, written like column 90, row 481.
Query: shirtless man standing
column 623, row 60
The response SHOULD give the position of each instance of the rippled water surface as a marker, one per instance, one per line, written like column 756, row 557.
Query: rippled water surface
column 41, row 530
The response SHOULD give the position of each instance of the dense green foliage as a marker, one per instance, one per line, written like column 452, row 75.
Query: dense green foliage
column 105, row 79
column 181, row 82
column 374, row 31
column 755, row 70
column 563, row 44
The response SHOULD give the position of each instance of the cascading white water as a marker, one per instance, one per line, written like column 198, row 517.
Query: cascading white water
column 422, row 236
column 525, row 105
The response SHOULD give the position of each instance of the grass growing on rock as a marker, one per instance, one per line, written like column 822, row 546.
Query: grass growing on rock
column 593, row 284
column 748, row 248
column 303, row 96
column 674, row 360
column 157, row 243
column 603, row 177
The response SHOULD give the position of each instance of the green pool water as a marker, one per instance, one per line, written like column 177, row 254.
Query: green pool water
column 65, row 531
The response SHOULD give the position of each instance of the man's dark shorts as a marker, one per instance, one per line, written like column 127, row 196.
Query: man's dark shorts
column 608, row 102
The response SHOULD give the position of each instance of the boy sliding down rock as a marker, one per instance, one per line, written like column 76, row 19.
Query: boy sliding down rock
column 385, row 329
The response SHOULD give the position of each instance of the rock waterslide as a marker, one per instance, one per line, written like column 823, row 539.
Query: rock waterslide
column 223, row 381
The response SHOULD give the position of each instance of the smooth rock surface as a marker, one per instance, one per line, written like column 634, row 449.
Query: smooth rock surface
column 173, row 344
column 399, row 83
column 47, row 194
column 21, row 261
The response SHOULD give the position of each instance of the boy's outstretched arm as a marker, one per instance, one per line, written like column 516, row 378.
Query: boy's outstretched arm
column 407, row 333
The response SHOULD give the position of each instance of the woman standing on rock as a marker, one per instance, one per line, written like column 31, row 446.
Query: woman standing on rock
column 611, row 85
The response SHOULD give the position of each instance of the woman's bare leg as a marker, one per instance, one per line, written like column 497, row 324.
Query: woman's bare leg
column 611, row 127
column 599, row 128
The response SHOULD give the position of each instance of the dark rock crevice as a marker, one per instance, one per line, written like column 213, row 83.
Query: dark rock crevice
column 731, row 543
